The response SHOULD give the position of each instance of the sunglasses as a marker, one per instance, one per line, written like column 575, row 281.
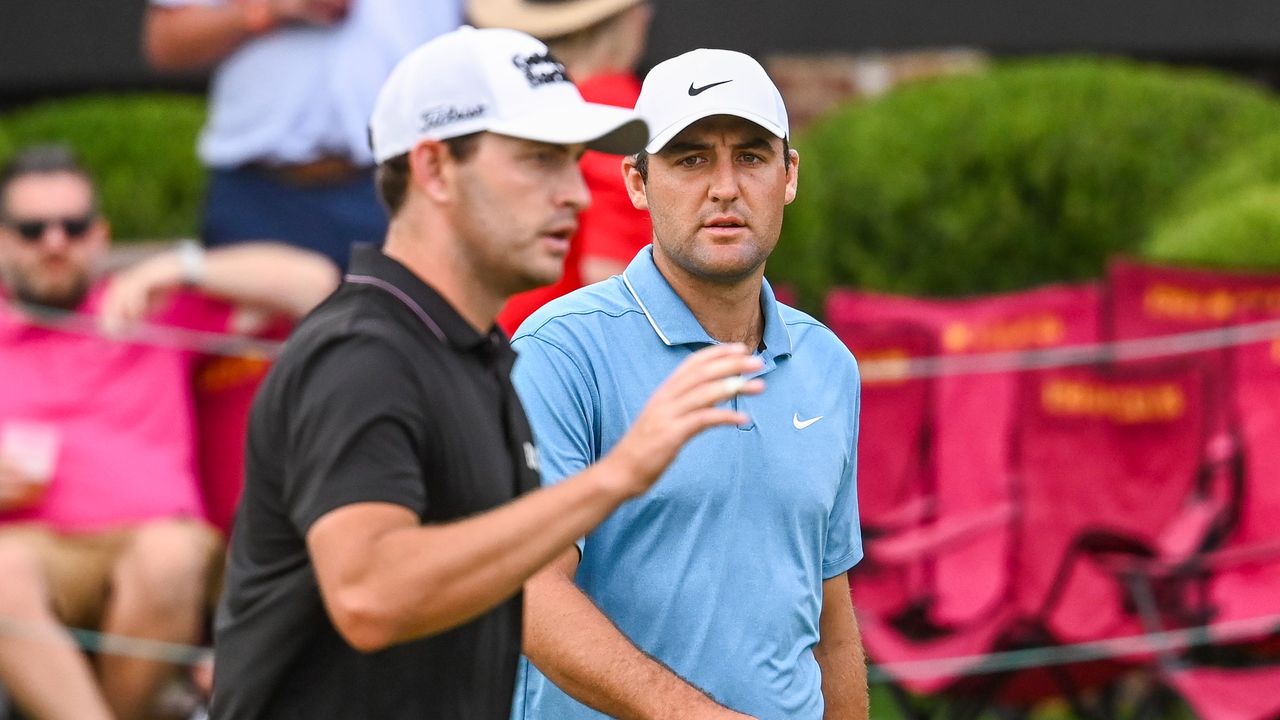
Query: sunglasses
column 32, row 231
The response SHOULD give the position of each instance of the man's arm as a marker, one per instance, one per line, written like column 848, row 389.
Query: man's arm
column 572, row 642
column 196, row 36
column 385, row 579
column 839, row 654
column 272, row 277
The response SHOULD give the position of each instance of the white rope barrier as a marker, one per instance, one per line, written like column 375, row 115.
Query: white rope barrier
column 142, row 333
column 1111, row 648
column 1086, row 354
column 872, row 370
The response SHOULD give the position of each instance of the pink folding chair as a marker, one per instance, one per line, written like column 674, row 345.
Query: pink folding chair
column 974, row 417
column 224, row 391
column 1104, row 460
column 895, row 462
column 1240, row 580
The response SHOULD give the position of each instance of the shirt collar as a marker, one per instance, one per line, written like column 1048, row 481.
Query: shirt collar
column 370, row 266
column 675, row 324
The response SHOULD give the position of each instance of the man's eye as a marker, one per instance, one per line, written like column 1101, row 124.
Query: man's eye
column 547, row 158
column 689, row 161
column 751, row 158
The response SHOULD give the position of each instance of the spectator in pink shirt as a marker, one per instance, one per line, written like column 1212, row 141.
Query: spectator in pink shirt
column 101, row 524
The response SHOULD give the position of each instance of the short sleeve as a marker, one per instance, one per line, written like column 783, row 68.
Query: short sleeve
column 844, row 534
column 354, row 433
column 560, row 404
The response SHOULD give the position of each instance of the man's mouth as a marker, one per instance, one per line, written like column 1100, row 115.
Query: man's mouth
column 560, row 235
column 724, row 224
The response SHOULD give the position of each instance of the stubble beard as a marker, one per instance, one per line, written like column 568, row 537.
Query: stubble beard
column 697, row 265
column 61, row 296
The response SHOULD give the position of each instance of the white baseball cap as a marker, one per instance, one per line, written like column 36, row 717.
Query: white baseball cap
column 493, row 79
column 701, row 83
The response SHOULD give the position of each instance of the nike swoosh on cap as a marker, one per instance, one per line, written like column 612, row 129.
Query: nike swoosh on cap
column 698, row 91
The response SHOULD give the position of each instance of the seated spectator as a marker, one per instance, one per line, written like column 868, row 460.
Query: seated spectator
column 600, row 43
column 101, row 525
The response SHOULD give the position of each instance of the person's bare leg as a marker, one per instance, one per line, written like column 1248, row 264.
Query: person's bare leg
column 158, row 592
column 40, row 665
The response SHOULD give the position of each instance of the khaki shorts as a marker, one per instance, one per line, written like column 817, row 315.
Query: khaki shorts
column 78, row 567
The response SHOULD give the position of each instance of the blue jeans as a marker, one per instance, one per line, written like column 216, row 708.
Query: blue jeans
column 249, row 203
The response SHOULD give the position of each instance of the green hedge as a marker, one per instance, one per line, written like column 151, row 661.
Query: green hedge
column 1257, row 163
column 1034, row 172
column 140, row 149
column 1241, row 230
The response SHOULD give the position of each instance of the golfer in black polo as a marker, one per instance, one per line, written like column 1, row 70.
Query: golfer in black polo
column 379, row 549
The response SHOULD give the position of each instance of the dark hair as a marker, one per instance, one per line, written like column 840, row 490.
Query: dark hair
column 42, row 160
column 392, row 175
column 642, row 160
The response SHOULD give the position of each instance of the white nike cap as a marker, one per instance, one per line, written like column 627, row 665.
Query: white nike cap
column 701, row 83
column 497, row 80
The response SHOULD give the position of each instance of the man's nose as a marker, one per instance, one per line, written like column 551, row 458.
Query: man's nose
column 573, row 189
column 724, row 182
column 55, row 236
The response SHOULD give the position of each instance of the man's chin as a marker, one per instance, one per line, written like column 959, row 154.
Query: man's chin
column 54, row 298
column 535, row 281
column 544, row 273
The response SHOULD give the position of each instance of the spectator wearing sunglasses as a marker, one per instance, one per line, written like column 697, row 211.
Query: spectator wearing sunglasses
column 101, row 524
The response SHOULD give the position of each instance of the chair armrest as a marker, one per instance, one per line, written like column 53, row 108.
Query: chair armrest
column 1259, row 553
column 913, row 512
column 1186, row 534
column 947, row 533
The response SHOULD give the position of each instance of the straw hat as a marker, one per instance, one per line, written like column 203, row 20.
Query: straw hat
column 544, row 18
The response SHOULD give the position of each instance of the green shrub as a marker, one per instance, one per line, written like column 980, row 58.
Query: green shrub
column 139, row 148
column 1257, row 163
column 1034, row 172
column 1239, row 231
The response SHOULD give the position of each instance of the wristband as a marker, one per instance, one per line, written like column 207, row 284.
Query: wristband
column 191, row 260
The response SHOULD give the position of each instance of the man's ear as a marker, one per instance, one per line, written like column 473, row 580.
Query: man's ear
column 432, row 170
column 635, row 183
column 793, row 176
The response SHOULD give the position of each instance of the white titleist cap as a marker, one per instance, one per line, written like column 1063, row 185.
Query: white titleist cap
column 498, row 80
column 701, row 83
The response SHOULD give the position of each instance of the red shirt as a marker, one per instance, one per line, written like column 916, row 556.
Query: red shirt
column 611, row 228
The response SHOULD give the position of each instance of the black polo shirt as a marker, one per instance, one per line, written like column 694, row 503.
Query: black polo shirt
column 383, row 393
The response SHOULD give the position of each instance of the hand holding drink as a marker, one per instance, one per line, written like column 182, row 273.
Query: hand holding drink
column 28, row 457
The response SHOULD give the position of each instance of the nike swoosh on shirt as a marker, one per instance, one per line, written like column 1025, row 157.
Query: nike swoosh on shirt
column 698, row 91
column 802, row 424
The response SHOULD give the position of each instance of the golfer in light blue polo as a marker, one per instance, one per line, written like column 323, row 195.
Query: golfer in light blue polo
column 721, row 593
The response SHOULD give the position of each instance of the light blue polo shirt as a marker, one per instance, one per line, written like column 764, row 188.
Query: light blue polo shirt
column 717, row 571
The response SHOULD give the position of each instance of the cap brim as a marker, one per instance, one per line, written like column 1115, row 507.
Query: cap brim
column 659, row 141
column 606, row 128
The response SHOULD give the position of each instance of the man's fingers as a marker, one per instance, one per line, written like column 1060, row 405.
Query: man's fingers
column 120, row 307
column 717, row 390
column 716, row 362
column 707, row 418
